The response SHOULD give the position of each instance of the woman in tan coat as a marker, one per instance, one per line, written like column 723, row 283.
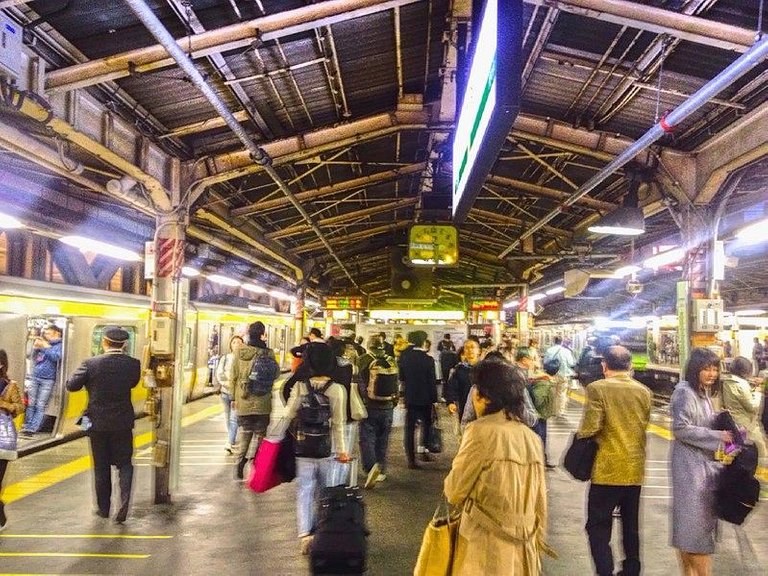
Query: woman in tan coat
column 498, row 479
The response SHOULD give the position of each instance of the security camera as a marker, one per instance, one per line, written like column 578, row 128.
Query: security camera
column 634, row 287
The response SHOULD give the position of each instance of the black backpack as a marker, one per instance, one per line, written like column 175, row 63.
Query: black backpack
column 383, row 380
column 313, row 424
column 737, row 488
column 264, row 372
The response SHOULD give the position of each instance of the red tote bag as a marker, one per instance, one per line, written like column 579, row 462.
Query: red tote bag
column 264, row 474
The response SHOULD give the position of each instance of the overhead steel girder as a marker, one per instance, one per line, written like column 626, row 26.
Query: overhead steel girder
column 738, row 145
column 342, row 218
column 644, row 17
column 223, row 39
column 208, row 238
column 544, row 192
column 345, row 186
column 355, row 236
column 91, row 121
column 237, row 164
column 512, row 221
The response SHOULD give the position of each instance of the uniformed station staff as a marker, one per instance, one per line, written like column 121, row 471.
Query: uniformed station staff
column 109, row 378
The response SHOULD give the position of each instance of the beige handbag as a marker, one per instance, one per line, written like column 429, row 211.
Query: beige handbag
column 438, row 546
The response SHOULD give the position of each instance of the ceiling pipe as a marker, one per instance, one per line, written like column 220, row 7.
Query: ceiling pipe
column 144, row 13
column 667, row 124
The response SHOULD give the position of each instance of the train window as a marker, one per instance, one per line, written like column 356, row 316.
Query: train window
column 98, row 335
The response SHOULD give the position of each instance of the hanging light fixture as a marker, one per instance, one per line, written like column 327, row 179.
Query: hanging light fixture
column 628, row 219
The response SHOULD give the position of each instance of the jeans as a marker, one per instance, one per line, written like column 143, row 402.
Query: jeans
column 230, row 417
column 602, row 501
column 412, row 415
column 342, row 470
column 39, row 394
column 541, row 429
column 312, row 473
column 374, row 437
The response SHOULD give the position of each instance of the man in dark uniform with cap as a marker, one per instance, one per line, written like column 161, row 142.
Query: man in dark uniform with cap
column 109, row 379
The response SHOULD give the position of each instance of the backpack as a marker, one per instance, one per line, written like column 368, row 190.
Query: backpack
column 737, row 488
column 313, row 423
column 383, row 379
column 264, row 371
column 551, row 364
column 542, row 392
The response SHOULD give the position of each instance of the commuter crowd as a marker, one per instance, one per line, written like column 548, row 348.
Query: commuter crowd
column 343, row 396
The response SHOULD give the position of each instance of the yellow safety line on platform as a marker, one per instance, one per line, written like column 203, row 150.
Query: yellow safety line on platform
column 63, row 472
column 73, row 555
column 666, row 434
column 57, row 536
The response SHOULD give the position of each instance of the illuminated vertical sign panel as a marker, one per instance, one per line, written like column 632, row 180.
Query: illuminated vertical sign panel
column 491, row 100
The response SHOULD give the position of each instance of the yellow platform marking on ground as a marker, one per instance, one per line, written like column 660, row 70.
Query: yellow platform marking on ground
column 65, row 471
column 73, row 555
column 666, row 434
column 57, row 536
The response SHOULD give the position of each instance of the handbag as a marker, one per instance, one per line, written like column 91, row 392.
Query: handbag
column 438, row 545
column 580, row 457
column 357, row 407
column 8, row 438
column 264, row 474
column 435, row 444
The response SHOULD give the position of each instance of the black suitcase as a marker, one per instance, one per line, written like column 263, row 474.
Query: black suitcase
column 340, row 544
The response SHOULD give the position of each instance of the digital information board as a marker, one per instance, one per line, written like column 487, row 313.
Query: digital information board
column 490, row 103
column 345, row 303
column 484, row 305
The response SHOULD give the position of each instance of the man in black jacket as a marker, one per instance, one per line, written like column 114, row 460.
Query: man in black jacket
column 417, row 371
column 109, row 378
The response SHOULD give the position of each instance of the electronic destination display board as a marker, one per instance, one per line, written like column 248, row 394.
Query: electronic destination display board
column 491, row 101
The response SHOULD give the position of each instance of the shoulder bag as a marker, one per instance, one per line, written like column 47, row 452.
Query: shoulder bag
column 580, row 457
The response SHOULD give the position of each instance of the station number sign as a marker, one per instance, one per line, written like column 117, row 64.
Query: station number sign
column 433, row 245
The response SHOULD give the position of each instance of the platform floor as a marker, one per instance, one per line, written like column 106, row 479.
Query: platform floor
column 217, row 526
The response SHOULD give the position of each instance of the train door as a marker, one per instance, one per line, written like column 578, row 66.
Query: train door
column 13, row 339
column 46, row 351
column 277, row 339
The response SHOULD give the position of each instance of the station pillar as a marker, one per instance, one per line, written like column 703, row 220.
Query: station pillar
column 523, row 315
column 170, row 296
column 699, row 306
column 299, row 314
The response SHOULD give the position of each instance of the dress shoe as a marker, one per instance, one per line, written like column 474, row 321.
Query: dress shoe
column 101, row 513
column 426, row 457
column 414, row 466
column 121, row 516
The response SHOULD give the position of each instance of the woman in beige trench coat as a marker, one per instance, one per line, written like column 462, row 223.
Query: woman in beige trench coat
column 497, row 478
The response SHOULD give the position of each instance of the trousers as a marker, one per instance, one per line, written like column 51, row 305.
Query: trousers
column 412, row 415
column 602, row 501
column 112, row 448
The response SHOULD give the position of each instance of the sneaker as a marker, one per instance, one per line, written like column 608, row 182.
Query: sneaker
column 373, row 476
column 306, row 544
column 228, row 448
column 381, row 478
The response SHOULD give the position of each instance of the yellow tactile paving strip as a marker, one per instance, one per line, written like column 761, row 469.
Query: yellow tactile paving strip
column 63, row 472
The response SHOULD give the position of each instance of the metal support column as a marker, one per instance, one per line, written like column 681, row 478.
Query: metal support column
column 170, row 294
column 523, row 312
column 299, row 314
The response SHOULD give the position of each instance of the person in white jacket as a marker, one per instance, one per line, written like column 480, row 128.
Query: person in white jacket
column 564, row 374
column 222, row 377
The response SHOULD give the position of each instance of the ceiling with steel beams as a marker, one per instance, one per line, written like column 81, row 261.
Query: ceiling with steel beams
column 353, row 102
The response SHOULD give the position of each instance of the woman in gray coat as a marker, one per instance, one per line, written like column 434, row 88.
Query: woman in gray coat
column 694, row 469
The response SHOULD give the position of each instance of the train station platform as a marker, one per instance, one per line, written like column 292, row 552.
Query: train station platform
column 215, row 525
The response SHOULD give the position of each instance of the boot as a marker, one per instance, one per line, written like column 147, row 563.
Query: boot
column 126, row 482
column 240, row 467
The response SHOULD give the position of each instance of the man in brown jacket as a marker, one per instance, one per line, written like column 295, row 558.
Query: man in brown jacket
column 616, row 414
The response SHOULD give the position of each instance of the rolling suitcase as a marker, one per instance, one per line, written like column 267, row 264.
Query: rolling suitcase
column 340, row 544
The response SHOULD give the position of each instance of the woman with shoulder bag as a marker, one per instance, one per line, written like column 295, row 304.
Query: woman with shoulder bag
column 497, row 478
column 11, row 405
